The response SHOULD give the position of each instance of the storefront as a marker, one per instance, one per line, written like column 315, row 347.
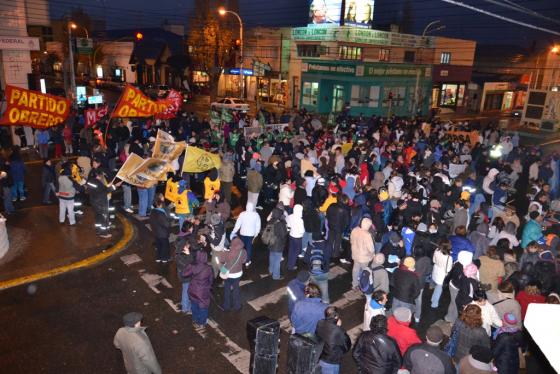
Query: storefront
column 498, row 96
column 368, row 88
column 450, row 87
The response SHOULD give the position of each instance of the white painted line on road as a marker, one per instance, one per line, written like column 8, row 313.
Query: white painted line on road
column 131, row 259
column 354, row 332
column 245, row 282
column 148, row 226
column 336, row 271
column 172, row 305
column 237, row 356
column 153, row 280
column 348, row 298
column 270, row 298
column 264, row 275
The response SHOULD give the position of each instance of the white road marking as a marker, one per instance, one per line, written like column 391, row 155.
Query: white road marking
column 336, row 271
column 153, row 280
column 237, row 356
column 348, row 298
column 245, row 282
column 148, row 226
column 264, row 275
column 270, row 298
column 172, row 305
column 131, row 259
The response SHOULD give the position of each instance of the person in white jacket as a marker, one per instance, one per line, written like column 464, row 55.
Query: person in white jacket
column 286, row 194
column 490, row 317
column 442, row 265
column 294, row 222
column 395, row 186
column 248, row 225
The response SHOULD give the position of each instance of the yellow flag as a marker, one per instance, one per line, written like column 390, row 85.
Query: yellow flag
column 198, row 160
column 171, row 190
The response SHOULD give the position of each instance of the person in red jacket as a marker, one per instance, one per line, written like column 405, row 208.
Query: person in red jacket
column 398, row 328
column 531, row 294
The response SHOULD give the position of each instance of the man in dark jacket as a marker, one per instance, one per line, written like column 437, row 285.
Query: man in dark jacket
column 159, row 222
column 336, row 341
column 99, row 200
column 375, row 352
column 184, row 257
column 319, row 193
column 406, row 285
column 338, row 217
column 278, row 242
column 428, row 357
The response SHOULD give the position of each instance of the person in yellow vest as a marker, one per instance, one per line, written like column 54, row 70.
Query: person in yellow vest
column 185, row 202
column 211, row 184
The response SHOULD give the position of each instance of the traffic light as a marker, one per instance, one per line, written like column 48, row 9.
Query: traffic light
column 139, row 36
column 236, row 44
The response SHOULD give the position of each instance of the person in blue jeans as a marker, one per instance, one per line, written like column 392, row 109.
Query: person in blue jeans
column 200, row 286
column 17, row 170
column 183, row 258
column 145, row 200
column 277, row 242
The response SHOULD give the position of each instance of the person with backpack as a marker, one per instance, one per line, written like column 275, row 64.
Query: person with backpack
column 231, row 271
column 275, row 236
column 317, row 257
column 361, row 244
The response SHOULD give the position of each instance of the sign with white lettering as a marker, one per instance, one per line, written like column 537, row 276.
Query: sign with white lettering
column 19, row 43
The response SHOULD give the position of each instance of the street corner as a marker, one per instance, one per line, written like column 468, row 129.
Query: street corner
column 41, row 248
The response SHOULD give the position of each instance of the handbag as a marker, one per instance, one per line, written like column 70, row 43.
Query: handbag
column 224, row 271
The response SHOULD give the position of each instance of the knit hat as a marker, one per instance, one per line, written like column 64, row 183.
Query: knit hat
column 434, row 334
column 422, row 227
column 303, row 276
column 465, row 195
column 379, row 259
column 481, row 353
column 510, row 319
column 402, row 314
column 470, row 270
column 409, row 262
column 130, row 319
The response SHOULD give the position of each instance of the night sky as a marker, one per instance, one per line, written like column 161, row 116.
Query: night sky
column 460, row 22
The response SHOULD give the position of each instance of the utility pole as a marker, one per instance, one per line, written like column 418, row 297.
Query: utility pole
column 71, row 61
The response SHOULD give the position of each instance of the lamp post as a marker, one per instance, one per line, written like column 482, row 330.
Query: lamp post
column 71, row 61
column 223, row 12
column 74, row 26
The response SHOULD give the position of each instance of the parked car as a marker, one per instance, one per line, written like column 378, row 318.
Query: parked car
column 231, row 103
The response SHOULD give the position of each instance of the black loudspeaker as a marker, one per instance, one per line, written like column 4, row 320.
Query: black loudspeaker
column 263, row 334
column 303, row 354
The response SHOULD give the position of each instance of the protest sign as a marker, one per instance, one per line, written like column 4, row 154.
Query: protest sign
column 94, row 115
column 166, row 148
column 461, row 136
column 126, row 172
column 32, row 108
column 153, row 169
column 198, row 160
column 133, row 103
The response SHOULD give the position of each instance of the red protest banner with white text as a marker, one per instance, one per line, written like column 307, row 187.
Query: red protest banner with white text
column 94, row 115
column 134, row 103
column 173, row 102
column 35, row 109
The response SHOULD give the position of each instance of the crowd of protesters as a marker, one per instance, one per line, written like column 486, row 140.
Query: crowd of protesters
column 417, row 212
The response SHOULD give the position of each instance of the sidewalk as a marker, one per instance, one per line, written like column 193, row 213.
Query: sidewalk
column 40, row 247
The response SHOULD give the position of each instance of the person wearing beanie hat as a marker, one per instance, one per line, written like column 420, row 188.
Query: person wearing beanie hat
column 296, row 289
column 479, row 361
column 508, row 339
column 135, row 345
column 380, row 275
column 398, row 328
column 428, row 357
column 407, row 286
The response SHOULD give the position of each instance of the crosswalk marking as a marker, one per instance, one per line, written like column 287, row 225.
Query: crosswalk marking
column 237, row 356
column 153, row 280
column 131, row 259
column 173, row 305
column 270, row 298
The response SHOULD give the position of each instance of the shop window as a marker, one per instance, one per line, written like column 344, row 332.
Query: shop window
column 384, row 54
column 445, row 58
column 409, row 56
column 365, row 96
column 310, row 93
column 397, row 94
column 349, row 53
column 310, row 50
column 448, row 95
column 461, row 95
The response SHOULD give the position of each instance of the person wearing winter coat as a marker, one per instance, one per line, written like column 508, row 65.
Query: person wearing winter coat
column 48, row 179
column 428, row 357
column 159, row 222
column 423, row 268
column 296, row 289
column 467, row 286
column 532, row 231
column 278, row 244
column 361, row 244
column 442, row 266
column 394, row 187
column 491, row 269
column 136, row 347
column 248, row 225
column 468, row 332
column 254, row 186
column 375, row 352
column 394, row 252
column 99, row 192
column 459, row 242
column 317, row 257
column 17, row 172
column 336, row 341
column 398, row 327
column 478, row 361
column 479, row 239
column 531, row 294
column 311, row 222
column 184, row 256
column 66, row 194
column 232, row 260
column 507, row 233
column 211, row 184
column 406, row 285
column 338, row 218
column 296, row 228
column 374, row 306
column 308, row 311
column 503, row 301
column 505, row 346
column 489, row 316
column 226, row 173
column 200, row 287
column 456, row 279
column 488, row 184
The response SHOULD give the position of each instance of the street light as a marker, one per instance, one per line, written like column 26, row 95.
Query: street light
column 71, row 26
column 74, row 26
column 223, row 12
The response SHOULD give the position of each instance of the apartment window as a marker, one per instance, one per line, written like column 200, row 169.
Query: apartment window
column 398, row 94
column 349, row 53
column 409, row 56
column 445, row 58
column 365, row 96
column 310, row 50
column 310, row 93
column 384, row 54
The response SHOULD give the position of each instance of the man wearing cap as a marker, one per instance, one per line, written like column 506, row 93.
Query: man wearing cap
column 135, row 345
column 428, row 357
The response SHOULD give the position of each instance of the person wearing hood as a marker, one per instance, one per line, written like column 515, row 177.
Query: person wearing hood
column 277, row 242
column 296, row 227
column 455, row 277
column 226, row 173
column 231, row 270
column 211, row 184
column 407, row 285
column 254, row 186
column 479, row 239
column 398, row 328
column 200, row 287
column 248, row 225
column 138, row 354
column 459, row 242
column 361, row 244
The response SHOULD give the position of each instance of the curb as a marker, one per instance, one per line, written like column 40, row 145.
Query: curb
column 128, row 234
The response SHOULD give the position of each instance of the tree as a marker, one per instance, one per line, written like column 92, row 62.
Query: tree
column 210, row 42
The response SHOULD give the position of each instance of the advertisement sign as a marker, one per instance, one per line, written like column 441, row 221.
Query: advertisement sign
column 32, row 108
column 358, row 13
column 96, row 99
column 325, row 11
column 81, row 94
column 94, row 115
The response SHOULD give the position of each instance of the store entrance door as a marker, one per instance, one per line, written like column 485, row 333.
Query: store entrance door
column 337, row 98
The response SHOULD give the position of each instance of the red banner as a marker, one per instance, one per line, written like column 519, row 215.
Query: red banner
column 133, row 103
column 174, row 100
column 94, row 115
column 35, row 109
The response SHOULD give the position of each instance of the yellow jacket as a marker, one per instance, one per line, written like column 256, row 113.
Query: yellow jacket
column 211, row 187
column 182, row 203
column 330, row 200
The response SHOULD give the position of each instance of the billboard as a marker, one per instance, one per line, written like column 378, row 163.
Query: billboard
column 358, row 13
column 325, row 12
